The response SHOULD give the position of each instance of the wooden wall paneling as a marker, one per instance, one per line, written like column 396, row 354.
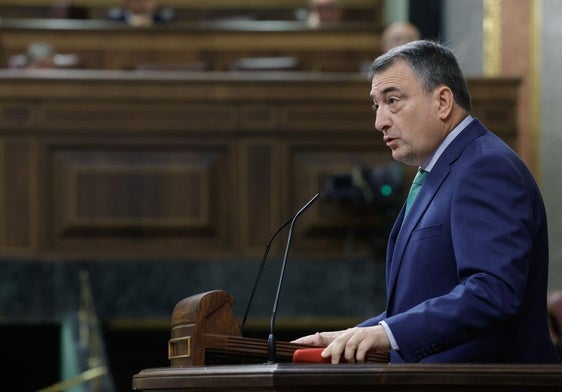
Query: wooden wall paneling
column 154, row 199
column 496, row 106
column 234, row 155
column 16, row 114
column 259, row 165
column 330, row 118
column 139, row 116
column 334, row 227
column 260, row 194
column 18, row 196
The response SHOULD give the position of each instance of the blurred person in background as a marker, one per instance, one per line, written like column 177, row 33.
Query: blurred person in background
column 141, row 13
column 399, row 33
column 395, row 34
column 321, row 12
column 39, row 55
column 43, row 55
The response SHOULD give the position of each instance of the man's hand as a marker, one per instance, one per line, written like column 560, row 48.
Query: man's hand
column 354, row 343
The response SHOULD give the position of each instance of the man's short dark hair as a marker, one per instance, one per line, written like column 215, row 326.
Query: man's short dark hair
column 433, row 63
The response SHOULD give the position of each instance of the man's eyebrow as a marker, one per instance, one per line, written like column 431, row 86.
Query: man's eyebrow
column 389, row 89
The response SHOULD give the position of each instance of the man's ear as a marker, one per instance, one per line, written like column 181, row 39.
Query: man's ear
column 445, row 101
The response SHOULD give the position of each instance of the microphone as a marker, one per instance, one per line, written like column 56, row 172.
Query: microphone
column 266, row 253
column 271, row 349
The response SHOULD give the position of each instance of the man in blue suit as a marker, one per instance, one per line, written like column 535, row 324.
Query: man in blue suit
column 467, row 263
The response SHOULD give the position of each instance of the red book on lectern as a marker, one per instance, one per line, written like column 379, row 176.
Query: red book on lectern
column 314, row 355
column 309, row 355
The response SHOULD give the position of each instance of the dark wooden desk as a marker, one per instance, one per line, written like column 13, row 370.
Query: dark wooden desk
column 199, row 165
column 351, row 378
column 106, row 45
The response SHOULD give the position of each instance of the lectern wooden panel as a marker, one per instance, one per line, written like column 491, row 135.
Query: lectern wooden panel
column 203, row 327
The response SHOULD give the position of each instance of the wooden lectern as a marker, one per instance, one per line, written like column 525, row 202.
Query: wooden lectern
column 204, row 332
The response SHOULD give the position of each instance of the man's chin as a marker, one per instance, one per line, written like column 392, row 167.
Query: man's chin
column 397, row 156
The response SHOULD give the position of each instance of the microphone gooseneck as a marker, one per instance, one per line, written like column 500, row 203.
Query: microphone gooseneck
column 264, row 258
column 260, row 270
column 271, row 345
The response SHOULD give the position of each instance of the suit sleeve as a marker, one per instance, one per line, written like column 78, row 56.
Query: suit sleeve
column 372, row 321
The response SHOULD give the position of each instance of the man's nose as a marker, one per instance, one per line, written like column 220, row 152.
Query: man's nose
column 382, row 119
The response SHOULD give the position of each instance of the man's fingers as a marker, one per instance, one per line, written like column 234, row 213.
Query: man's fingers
column 337, row 348
column 311, row 340
column 359, row 341
column 334, row 350
column 330, row 353
column 350, row 350
column 362, row 350
column 352, row 345
column 303, row 340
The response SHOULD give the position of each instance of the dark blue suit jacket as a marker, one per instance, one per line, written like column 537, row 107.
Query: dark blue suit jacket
column 467, row 269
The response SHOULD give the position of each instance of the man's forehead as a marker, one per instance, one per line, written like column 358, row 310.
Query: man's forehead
column 398, row 67
column 394, row 78
column 383, row 86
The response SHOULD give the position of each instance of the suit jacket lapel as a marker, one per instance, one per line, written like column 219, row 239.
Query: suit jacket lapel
column 404, row 226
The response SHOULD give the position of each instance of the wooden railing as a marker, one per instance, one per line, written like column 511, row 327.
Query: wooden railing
column 108, row 45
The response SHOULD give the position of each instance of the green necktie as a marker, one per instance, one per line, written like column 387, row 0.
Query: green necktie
column 415, row 188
